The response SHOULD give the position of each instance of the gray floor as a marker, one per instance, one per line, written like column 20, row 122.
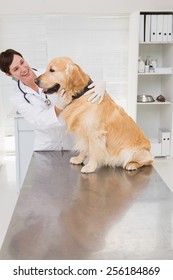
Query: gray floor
column 110, row 214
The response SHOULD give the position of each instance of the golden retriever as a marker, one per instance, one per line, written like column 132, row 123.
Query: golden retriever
column 105, row 134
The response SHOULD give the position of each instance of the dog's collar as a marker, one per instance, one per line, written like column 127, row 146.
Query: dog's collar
column 80, row 93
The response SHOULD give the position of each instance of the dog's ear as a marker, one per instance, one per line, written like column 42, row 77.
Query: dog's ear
column 76, row 77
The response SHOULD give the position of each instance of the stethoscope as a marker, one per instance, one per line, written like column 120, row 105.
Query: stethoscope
column 47, row 100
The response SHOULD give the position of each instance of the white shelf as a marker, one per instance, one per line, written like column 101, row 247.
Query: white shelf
column 158, row 71
column 152, row 74
column 154, row 103
column 156, row 43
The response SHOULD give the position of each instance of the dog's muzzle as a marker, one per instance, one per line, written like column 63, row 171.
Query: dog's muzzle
column 50, row 90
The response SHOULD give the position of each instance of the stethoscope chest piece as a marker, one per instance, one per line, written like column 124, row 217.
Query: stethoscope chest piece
column 47, row 101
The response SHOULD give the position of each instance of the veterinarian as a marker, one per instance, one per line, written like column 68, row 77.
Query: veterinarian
column 42, row 111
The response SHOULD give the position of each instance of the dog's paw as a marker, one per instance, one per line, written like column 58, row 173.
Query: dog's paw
column 88, row 169
column 132, row 166
column 76, row 160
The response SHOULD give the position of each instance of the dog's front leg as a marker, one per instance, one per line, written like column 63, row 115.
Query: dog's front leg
column 97, row 151
column 89, row 167
column 79, row 159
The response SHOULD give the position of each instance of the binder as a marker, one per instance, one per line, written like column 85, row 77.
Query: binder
column 153, row 28
column 165, row 28
column 159, row 28
column 148, row 28
column 170, row 27
column 164, row 137
column 141, row 29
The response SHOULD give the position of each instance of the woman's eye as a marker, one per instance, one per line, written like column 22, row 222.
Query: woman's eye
column 52, row 70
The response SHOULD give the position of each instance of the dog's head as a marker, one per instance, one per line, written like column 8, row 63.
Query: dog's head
column 63, row 73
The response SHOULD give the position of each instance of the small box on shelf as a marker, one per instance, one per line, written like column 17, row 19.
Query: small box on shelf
column 161, row 147
column 165, row 70
column 164, row 138
column 156, row 147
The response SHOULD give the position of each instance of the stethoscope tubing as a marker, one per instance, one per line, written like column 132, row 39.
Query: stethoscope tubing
column 24, row 93
column 47, row 101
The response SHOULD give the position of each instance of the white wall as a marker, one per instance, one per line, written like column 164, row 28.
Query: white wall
column 81, row 6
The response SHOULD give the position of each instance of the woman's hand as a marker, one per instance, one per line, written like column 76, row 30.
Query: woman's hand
column 63, row 100
column 97, row 91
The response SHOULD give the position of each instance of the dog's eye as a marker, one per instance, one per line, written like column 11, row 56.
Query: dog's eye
column 52, row 70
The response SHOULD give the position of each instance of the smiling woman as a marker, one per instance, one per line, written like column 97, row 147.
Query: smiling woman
column 7, row 61
column 34, row 105
column 15, row 66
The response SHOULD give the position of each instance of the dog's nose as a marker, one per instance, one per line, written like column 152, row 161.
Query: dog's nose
column 37, row 82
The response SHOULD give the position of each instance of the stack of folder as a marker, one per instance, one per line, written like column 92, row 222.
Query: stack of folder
column 156, row 27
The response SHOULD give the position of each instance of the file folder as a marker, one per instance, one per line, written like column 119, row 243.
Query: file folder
column 148, row 28
column 170, row 28
column 159, row 28
column 141, row 29
column 165, row 28
column 153, row 28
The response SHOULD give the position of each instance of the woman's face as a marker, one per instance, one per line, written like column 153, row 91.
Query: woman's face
column 20, row 69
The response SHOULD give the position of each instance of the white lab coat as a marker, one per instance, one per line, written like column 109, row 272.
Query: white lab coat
column 50, row 130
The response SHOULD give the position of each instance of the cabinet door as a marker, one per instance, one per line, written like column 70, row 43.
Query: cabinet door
column 2, row 146
column 24, row 139
column 2, row 149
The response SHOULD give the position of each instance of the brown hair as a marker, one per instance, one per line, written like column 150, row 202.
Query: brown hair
column 6, row 59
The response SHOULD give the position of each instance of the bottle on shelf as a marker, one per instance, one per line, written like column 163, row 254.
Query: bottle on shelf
column 147, row 64
column 147, row 61
column 141, row 65
column 154, row 63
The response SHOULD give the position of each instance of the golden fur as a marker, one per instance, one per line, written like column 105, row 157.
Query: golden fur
column 104, row 133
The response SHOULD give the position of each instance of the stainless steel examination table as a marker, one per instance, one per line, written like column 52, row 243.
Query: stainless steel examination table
column 110, row 214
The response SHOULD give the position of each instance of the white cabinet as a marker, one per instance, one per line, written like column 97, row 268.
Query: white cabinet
column 155, row 116
column 24, row 140
column 2, row 146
